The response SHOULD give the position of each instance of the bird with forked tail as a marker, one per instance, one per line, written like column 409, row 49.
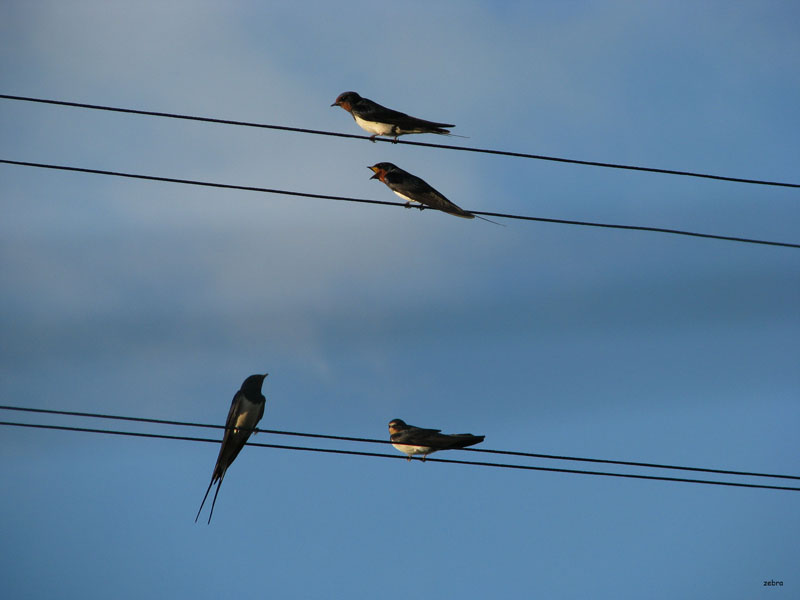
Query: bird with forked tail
column 413, row 189
column 247, row 408
column 412, row 440
column 379, row 120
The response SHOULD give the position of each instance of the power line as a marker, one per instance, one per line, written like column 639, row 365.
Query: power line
column 385, row 203
column 395, row 456
column 410, row 143
column 376, row 441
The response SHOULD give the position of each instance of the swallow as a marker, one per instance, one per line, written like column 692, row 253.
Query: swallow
column 247, row 408
column 412, row 440
column 379, row 120
column 413, row 189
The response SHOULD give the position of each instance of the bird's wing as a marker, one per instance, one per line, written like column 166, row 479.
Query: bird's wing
column 415, row 436
column 417, row 189
column 412, row 186
column 372, row 111
column 233, row 441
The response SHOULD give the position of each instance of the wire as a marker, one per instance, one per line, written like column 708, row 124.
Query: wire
column 384, row 203
column 410, row 143
column 394, row 456
column 375, row 441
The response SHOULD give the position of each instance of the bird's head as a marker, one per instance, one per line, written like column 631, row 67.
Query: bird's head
column 346, row 100
column 252, row 385
column 380, row 169
column 396, row 425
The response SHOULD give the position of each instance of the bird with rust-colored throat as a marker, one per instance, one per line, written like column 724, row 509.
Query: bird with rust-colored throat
column 379, row 120
column 413, row 189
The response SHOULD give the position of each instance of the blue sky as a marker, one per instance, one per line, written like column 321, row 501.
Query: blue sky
column 157, row 300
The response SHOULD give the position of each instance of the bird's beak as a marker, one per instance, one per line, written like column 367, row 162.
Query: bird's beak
column 265, row 375
column 374, row 170
column 335, row 104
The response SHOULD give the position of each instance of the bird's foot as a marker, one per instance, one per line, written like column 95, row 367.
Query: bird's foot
column 372, row 138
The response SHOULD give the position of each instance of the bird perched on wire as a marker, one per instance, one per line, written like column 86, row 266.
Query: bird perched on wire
column 379, row 120
column 412, row 440
column 247, row 408
column 413, row 189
